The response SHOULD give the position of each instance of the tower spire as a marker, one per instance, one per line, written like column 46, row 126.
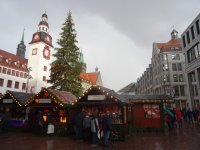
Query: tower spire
column 21, row 47
column 23, row 35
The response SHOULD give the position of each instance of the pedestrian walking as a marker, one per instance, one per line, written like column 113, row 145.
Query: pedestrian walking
column 106, row 123
column 79, row 125
column 179, row 117
column 94, row 130
column 87, row 127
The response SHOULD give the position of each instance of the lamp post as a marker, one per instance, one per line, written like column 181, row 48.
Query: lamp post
column 28, row 77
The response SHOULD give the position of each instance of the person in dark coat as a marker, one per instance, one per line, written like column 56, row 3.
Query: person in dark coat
column 106, row 123
column 79, row 124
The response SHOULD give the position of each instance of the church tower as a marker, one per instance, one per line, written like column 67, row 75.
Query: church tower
column 40, row 57
column 81, row 60
column 174, row 34
column 21, row 47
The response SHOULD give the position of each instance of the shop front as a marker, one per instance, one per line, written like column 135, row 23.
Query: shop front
column 50, row 108
column 146, row 113
column 99, row 100
column 12, row 109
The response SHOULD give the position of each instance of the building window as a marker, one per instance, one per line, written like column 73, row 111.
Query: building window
column 16, row 85
column 13, row 72
column 182, row 90
column 25, row 75
column 194, row 91
column 32, row 89
column 175, row 57
column 4, row 70
column 45, row 68
column 192, row 31
column 197, row 50
column 9, row 83
column 9, row 71
column 191, row 55
column 180, row 77
column 188, row 37
column 192, row 77
column 1, row 81
column 179, row 66
column 174, row 68
column 21, row 74
column 44, row 78
column 34, row 51
column 165, row 67
column 184, row 43
column 17, row 73
column 23, row 86
column 197, row 26
column 175, row 77
column 176, row 91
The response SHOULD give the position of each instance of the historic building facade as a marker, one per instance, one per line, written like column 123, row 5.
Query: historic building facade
column 166, row 73
column 30, row 75
column 40, row 57
column 13, row 72
column 191, row 46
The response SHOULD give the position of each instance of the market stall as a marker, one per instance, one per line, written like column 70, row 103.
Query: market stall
column 99, row 100
column 146, row 112
column 12, row 108
column 50, row 107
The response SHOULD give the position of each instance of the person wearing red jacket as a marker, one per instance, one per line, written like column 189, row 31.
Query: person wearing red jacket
column 179, row 117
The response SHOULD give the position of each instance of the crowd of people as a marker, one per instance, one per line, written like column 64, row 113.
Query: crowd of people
column 175, row 116
column 93, row 127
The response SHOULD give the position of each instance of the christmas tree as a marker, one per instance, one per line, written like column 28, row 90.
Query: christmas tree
column 66, row 69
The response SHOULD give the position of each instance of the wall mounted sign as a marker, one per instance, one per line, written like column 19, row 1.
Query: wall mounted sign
column 7, row 101
column 96, row 97
column 44, row 100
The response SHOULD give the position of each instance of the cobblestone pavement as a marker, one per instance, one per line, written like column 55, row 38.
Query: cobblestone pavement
column 187, row 138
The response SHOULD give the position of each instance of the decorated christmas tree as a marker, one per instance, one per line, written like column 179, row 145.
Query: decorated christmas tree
column 66, row 69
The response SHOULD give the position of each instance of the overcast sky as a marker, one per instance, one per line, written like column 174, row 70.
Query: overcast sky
column 114, row 35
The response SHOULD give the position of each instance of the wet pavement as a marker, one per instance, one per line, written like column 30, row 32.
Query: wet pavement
column 187, row 138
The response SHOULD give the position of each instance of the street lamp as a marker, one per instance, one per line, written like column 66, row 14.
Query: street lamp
column 28, row 77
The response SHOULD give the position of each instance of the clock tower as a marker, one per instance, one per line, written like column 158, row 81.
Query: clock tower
column 40, row 57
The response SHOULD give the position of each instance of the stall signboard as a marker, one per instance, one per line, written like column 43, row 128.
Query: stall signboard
column 96, row 97
column 152, row 111
column 7, row 101
column 46, row 101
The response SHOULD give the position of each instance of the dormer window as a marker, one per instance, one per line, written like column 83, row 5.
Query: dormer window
column 18, row 64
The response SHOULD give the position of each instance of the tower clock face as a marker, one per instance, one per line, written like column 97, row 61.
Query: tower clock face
column 46, row 52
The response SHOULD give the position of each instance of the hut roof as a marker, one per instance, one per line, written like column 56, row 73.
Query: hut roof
column 21, row 97
column 64, row 96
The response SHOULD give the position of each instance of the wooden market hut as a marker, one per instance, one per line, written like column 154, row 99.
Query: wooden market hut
column 99, row 100
column 52, row 104
column 146, row 112
column 12, row 104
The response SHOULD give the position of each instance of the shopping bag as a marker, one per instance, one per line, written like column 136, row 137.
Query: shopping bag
column 50, row 129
